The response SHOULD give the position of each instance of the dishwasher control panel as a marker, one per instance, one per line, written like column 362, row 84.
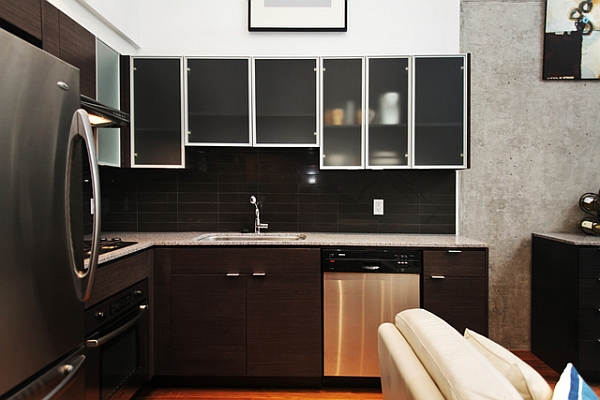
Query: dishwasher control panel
column 371, row 260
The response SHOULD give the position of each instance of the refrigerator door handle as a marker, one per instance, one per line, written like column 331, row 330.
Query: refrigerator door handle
column 63, row 374
column 84, row 276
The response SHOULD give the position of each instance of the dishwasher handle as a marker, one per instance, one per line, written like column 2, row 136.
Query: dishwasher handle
column 371, row 267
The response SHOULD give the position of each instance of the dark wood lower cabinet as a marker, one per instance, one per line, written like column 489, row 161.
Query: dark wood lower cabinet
column 565, row 303
column 284, row 325
column 455, row 287
column 208, row 325
column 239, row 312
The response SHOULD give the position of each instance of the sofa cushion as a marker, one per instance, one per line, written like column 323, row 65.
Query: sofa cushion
column 403, row 376
column 528, row 382
column 459, row 370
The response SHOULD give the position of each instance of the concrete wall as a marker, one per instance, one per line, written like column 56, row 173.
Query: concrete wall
column 535, row 150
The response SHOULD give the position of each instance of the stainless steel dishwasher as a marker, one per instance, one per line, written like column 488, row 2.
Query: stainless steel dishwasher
column 362, row 288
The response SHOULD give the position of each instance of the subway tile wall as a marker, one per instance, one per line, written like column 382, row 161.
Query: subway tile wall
column 213, row 194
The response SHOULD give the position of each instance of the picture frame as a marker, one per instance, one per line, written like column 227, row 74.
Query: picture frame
column 571, row 40
column 298, row 15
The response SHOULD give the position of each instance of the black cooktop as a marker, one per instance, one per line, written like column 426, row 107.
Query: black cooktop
column 106, row 245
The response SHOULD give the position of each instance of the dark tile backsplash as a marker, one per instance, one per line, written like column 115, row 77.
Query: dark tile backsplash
column 213, row 194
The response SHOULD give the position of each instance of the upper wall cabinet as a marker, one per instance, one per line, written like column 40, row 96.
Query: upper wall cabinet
column 285, row 102
column 387, row 119
column 218, row 101
column 157, row 120
column 342, row 145
column 108, row 140
column 415, row 114
column 25, row 15
column 440, row 107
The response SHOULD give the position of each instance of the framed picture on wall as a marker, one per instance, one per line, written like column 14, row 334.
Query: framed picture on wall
column 298, row 15
column 572, row 40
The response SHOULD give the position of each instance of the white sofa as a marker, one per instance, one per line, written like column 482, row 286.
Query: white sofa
column 421, row 357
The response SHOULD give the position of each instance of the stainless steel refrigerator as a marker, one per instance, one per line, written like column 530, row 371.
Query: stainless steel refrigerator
column 43, row 279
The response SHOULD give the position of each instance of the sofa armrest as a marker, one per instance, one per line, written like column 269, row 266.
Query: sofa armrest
column 402, row 374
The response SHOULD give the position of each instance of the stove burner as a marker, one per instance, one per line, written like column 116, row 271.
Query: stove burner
column 106, row 245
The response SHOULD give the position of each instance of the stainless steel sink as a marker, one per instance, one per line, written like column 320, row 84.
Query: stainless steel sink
column 250, row 237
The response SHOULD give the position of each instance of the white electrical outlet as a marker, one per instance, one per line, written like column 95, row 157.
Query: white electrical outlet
column 377, row 206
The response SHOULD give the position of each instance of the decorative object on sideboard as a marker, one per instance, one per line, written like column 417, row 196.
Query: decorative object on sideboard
column 590, row 204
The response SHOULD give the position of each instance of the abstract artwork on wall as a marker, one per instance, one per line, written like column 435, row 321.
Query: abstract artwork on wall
column 572, row 40
column 298, row 15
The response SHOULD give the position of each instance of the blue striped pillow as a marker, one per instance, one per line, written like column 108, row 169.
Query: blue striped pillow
column 571, row 386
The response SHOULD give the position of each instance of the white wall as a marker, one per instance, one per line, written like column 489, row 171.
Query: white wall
column 220, row 27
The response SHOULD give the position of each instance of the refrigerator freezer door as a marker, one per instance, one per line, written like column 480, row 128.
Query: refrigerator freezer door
column 64, row 381
column 41, row 318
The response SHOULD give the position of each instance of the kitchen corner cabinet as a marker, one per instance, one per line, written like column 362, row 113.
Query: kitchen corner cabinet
column 218, row 101
column 285, row 102
column 342, row 143
column 157, row 112
column 440, row 107
column 565, row 304
column 455, row 287
column 238, row 312
column 25, row 15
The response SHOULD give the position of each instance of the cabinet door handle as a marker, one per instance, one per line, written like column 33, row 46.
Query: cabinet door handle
column 233, row 274
column 438, row 277
column 454, row 251
column 259, row 274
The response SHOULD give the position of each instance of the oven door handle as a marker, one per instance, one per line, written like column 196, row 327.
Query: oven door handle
column 113, row 334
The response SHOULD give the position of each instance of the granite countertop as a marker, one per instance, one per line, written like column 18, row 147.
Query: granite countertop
column 577, row 239
column 317, row 239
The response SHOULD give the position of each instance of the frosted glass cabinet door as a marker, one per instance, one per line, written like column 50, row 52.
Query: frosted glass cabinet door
column 285, row 91
column 157, row 112
column 218, row 101
column 342, row 143
column 108, row 140
column 440, row 106
column 387, row 116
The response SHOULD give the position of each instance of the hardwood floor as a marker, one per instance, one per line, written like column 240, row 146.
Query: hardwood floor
column 256, row 394
column 170, row 393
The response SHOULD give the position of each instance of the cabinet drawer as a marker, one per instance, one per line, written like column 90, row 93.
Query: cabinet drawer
column 461, row 302
column 246, row 260
column 118, row 275
column 589, row 293
column 589, row 262
column 455, row 262
column 589, row 356
column 589, row 324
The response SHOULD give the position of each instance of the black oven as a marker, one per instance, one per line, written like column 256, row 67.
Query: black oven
column 117, row 342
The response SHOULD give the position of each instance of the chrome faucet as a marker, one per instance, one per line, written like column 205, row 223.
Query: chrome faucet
column 257, row 225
